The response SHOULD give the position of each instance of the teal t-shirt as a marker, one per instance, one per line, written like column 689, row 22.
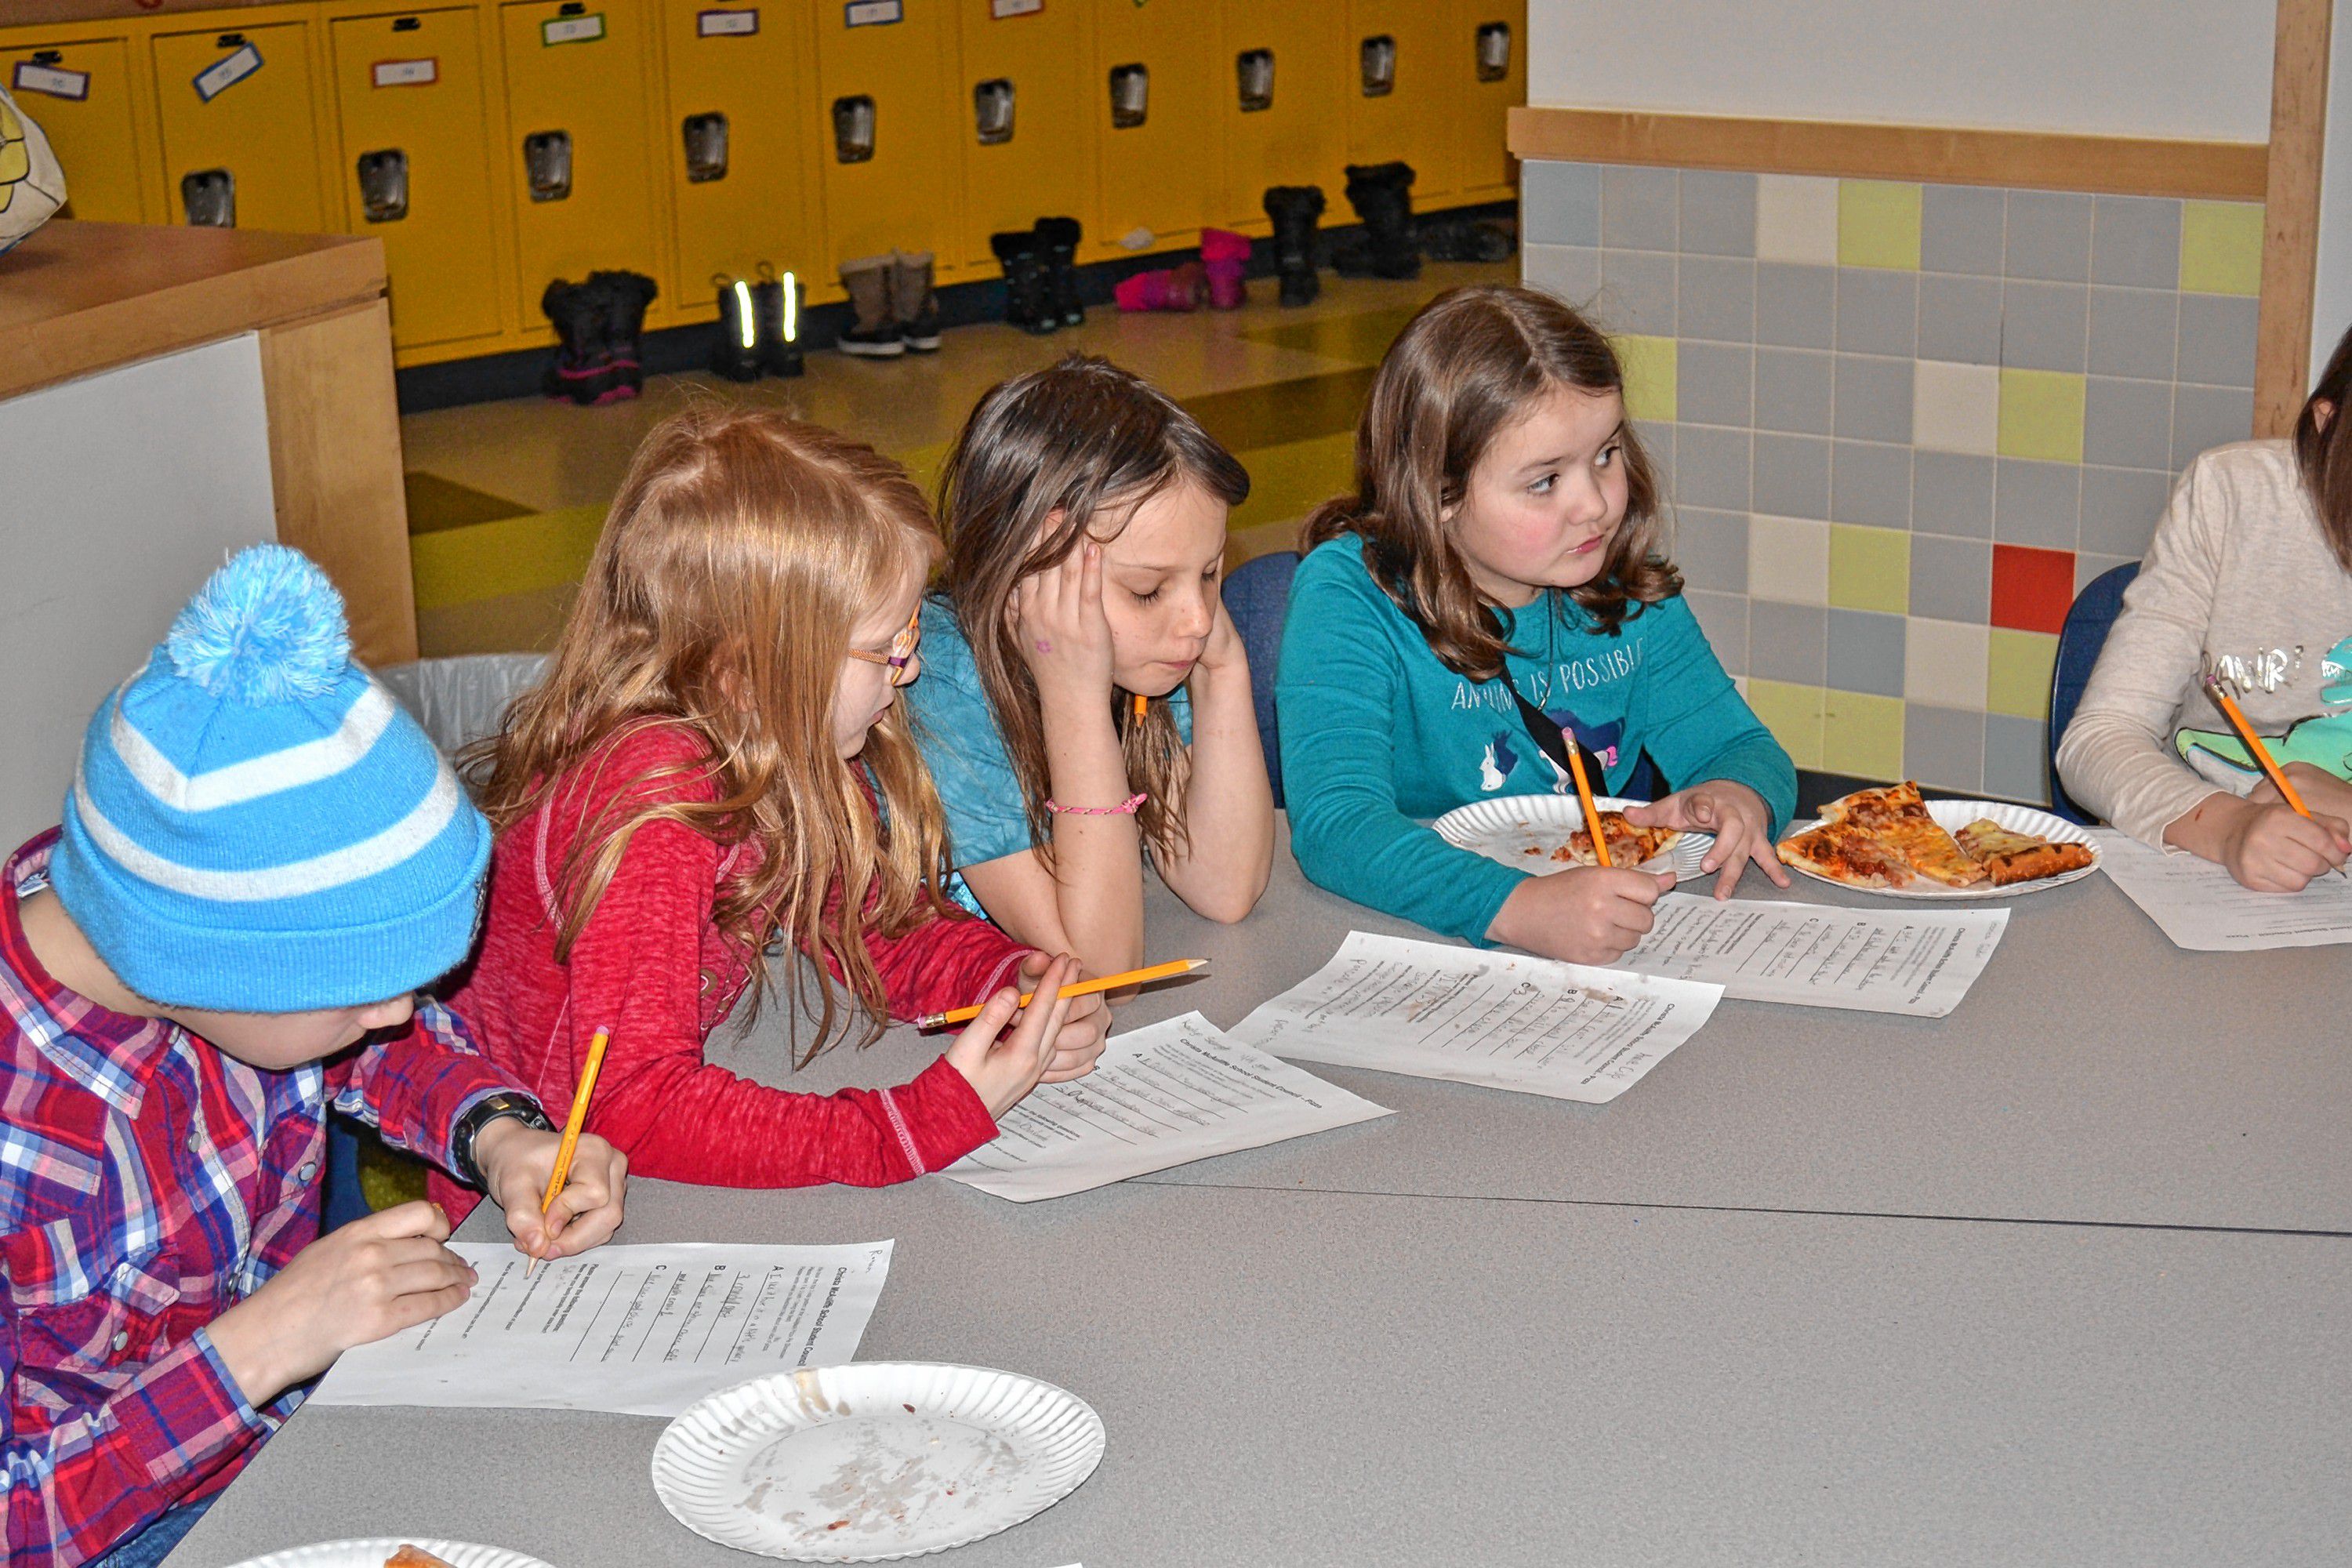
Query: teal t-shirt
column 964, row 749
column 1378, row 736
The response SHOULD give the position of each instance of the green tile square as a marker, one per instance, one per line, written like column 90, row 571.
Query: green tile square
column 2041, row 415
column 1870, row 569
column 2222, row 247
column 1862, row 734
column 1878, row 224
column 1649, row 377
column 1793, row 714
column 2018, row 667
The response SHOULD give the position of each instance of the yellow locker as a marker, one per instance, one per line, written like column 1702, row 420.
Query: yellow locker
column 575, row 143
column 1490, row 47
column 1282, row 103
column 736, row 120
column 1403, row 95
column 1156, row 84
column 882, row 113
column 79, row 93
column 415, row 166
column 1024, row 113
column 241, row 127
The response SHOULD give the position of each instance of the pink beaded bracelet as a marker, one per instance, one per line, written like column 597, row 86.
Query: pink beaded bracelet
column 1124, row 808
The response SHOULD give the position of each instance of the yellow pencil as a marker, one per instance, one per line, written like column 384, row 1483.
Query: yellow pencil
column 1584, row 797
column 571, row 1126
column 1076, row 988
column 2261, row 754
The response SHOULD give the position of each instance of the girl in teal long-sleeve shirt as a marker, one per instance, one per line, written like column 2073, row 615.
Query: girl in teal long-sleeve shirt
column 1504, row 536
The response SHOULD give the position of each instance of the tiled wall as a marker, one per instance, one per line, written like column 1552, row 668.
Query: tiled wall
column 1904, row 425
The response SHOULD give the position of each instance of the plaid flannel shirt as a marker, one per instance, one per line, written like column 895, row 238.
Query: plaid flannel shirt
column 147, row 1183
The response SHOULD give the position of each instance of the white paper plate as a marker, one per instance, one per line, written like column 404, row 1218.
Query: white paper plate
column 873, row 1461
column 1953, row 814
column 1522, row 830
column 371, row 1554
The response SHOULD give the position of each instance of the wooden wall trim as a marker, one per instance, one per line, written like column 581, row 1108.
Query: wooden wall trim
column 2291, row 214
column 2114, row 165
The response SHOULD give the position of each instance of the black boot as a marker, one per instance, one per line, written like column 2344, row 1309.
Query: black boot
column 583, row 368
column 734, row 344
column 1028, row 301
column 624, row 296
column 776, row 321
column 1058, row 244
column 1294, row 209
column 1381, row 194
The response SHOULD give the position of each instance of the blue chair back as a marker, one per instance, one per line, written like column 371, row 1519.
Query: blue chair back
column 2079, row 641
column 1257, row 595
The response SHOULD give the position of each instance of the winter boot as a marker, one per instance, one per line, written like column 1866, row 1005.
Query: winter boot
column 1028, row 298
column 1178, row 289
column 1294, row 209
column 735, row 342
column 1461, row 240
column 583, row 368
column 912, row 302
column 624, row 296
column 1224, row 257
column 1381, row 194
column 776, row 318
column 1057, row 243
column 875, row 333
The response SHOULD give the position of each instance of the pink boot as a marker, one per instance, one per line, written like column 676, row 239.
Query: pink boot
column 1170, row 289
column 1224, row 257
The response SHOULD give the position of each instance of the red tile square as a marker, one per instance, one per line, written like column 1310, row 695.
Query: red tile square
column 2031, row 589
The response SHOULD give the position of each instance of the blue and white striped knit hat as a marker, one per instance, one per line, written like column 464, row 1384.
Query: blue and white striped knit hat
column 254, row 825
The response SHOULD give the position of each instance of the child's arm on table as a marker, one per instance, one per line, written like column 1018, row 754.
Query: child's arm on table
column 1228, row 805
column 2263, row 842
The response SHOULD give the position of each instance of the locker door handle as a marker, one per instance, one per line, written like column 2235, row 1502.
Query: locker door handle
column 547, row 164
column 1494, row 51
column 992, row 110
column 1131, row 96
column 384, row 185
column 209, row 196
column 852, row 129
column 1377, row 59
column 706, row 148
column 1254, row 71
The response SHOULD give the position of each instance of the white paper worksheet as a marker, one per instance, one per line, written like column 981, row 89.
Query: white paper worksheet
column 2201, row 907
column 644, row 1330
column 1913, row 959
column 1504, row 1020
column 1163, row 1095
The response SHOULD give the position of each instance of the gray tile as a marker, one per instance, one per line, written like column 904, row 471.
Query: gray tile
column 2038, row 504
column 1559, row 203
column 1873, row 398
column 1877, row 311
column 2132, row 331
column 1870, row 483
column 1959, row 317
column 1787, row 642
column 1795, row 306
column 1943, row 748
column 2089, row 568
column 1713, row 383
column 2135, row 241
column 1711, row 548
column 2016, row 759
column 1724, row 618
column 1951, row 579
column 1637, row 208
column 1711, row 467
column 1951, row 492
column 2120, row 508
column 2206, row 416
column 1960, row 229
column 1718, row 213
column 2043, row 326
column 2127, row 424
column 2217, row 339
column 1792, row 391
column 1637, row 293
column 1657, row 439
column 2048, row 235
column 1792, row 476
column 1865, row 652
column 1714, row 297
column 1572, row 272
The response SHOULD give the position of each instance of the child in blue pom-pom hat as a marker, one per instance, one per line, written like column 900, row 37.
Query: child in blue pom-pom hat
column 262, row 860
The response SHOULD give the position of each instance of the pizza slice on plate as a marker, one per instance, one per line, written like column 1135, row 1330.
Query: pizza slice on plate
column 1629, row 845
column 1844, row 853
column 1883, row 838
column 2010, row 857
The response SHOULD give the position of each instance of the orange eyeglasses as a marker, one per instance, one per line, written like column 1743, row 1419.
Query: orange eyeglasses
column 902, row 649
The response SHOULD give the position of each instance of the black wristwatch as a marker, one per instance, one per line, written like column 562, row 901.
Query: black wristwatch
column 487, row 1109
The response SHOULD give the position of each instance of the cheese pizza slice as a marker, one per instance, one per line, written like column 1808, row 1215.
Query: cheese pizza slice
column 2010, row 857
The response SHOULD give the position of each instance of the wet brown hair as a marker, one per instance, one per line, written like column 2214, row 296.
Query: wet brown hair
column 1044, row 458
column 2323, row 452
column 1467, row 367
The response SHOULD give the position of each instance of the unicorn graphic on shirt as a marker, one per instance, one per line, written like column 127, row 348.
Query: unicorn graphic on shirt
column 1502, row 756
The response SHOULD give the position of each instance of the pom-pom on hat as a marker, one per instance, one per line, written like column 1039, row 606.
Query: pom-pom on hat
column 254, row 825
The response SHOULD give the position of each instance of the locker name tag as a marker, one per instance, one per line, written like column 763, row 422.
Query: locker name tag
column 726, row 24
column 407, row 73
column 52, row 80
column 226, row 72
column 873, row 13
column 571, row 30
column 1001, row 9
